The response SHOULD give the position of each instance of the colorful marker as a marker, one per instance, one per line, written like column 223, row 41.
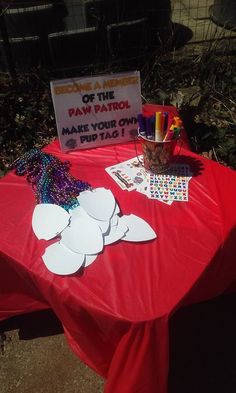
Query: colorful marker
column 142, row 124
column 169, row 135
column 165, row 121
column 153, row 121
column 158, row 129
column 149, row 129
column 177, row 121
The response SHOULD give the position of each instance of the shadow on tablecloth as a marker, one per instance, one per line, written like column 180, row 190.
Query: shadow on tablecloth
column 203, row 347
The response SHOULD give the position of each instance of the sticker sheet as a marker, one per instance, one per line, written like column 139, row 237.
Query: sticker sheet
column 172, row 186
column 129, row 175
column 169, row 187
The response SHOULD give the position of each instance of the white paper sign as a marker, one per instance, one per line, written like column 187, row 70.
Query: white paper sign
column 96, row 111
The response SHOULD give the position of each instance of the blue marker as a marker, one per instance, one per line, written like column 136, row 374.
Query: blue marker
column 149, row 128
column 142, row 125
column 153, row 122
column 165, row 121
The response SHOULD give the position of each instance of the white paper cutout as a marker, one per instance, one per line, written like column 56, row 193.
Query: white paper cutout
column 89, row 259
column 114, row 221
column 114, row 218
column 117, row 210
column 49, row 220
column 99, row 203
column 60, row 260
column 116, row 233
column 139, row 229
column 83, row 236
column 85, row 230
column 79, row 212
column 104, row 225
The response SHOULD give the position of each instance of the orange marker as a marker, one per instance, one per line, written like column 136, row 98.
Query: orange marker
column 177, row 121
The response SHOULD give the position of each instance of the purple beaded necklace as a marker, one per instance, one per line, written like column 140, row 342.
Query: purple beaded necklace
column 50, row 178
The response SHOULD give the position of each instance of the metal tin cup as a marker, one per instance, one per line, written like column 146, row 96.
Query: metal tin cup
column 157, row 156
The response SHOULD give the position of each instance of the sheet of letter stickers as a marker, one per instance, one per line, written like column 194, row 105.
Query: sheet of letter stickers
column 169, row 187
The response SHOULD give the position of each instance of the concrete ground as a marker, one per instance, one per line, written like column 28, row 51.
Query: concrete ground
column 35, row 358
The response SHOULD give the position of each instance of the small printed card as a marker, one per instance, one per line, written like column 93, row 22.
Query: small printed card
column 129, row 175
column 169, row 187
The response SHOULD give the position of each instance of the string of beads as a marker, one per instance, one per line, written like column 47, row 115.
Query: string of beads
column 50, row 178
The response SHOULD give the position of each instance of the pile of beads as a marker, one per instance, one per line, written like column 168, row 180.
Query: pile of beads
column 50, row 178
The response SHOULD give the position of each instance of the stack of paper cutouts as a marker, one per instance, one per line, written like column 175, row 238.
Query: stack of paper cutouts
column 85, row 230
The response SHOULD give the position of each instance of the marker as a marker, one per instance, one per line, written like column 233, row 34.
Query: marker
column 177, row 121
column 170, row 121
column 153, row 120
column 142, row 125
column 165, row 121
column 158, row 130
column 169, row 135
column 149, row 130
column 176, row 132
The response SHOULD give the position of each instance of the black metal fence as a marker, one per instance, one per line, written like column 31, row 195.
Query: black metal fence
column 66, row 34
column 77, row 34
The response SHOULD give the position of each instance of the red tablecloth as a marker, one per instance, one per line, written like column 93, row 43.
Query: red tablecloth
column 116, row 312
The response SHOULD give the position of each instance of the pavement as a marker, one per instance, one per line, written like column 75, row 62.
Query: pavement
column 35, row 358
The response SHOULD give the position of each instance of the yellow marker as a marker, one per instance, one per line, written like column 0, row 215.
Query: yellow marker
column 158, row 130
